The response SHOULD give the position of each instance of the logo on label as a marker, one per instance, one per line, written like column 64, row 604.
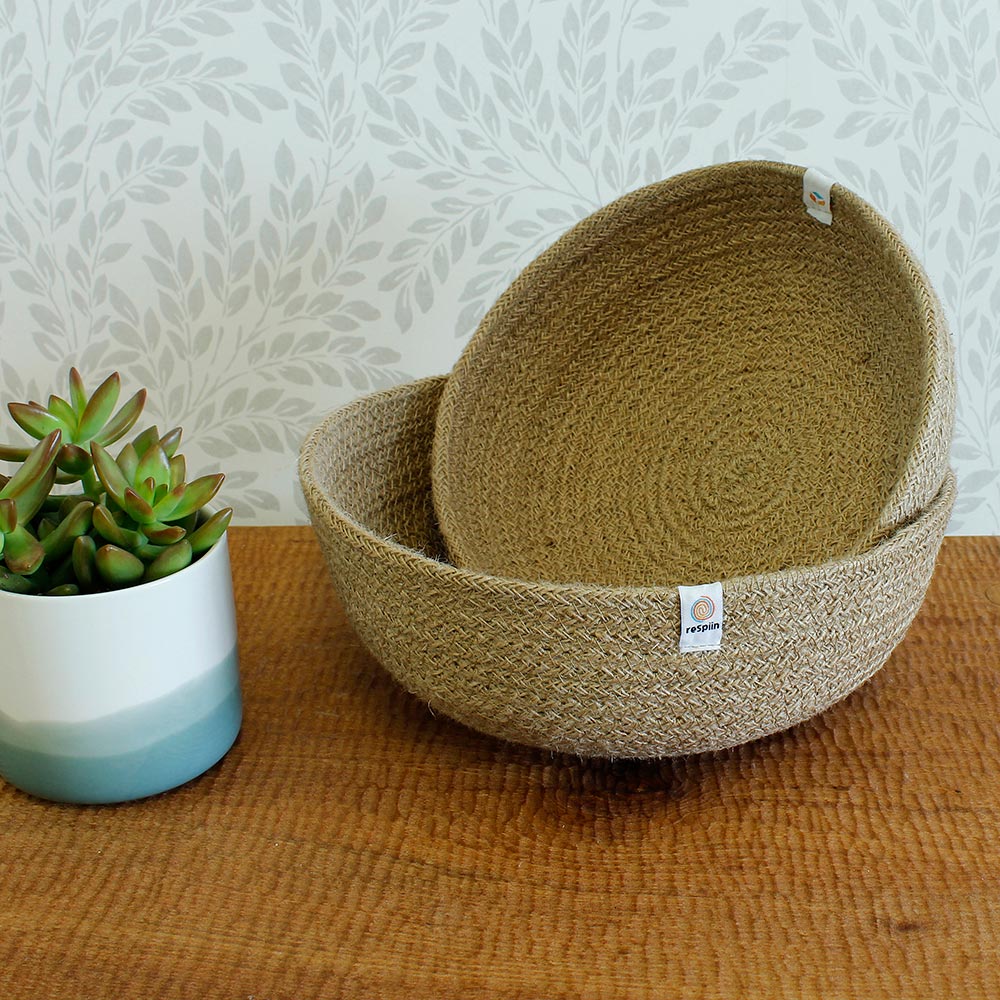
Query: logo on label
column 702, row 609
column 816, row 196
column 701, row 622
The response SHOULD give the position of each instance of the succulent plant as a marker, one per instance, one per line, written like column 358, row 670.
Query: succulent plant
column 81, row 421
column 134, row 518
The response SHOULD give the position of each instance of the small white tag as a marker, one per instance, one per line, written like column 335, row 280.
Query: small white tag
column 701, row 617
column 816, row 195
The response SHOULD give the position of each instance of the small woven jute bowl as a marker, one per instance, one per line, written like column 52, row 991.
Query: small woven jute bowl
column 699, row 381
column 585, row 669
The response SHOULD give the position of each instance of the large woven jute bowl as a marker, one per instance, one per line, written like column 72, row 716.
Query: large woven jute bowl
column 587, row 669
column 700, row 381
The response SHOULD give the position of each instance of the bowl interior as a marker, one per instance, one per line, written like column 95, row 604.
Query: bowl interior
column 699, row 381
column 370, row 462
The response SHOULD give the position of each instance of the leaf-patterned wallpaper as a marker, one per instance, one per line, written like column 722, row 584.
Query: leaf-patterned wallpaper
column 262, row 208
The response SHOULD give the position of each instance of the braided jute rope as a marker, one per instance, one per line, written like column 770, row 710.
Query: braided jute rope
column 698, row 382
column 580, row 668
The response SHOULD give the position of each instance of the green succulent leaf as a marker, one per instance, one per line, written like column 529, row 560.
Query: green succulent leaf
column 35, row 419
column 178, row 471
column 60, row 540
column 197, row 494
column 167, row 504
column 39, row 460
column 59, row 572
column 63, row 590
column 83, row 560
column 63, row 412
column 171, row 441
column 8, row 518
column 137, row 508
column 74, row 460
column 190, row 523
column 163, row 534
column 118, row 567
column 111, row 531
column 77, row 392
column 22, row 552
column 14, row 583
column 11, row 453
column 65, row 505
column 128, row 462
column 123, row 421
column 31, row 484
column 146, row 439
column 211, row 531
column 170, row 560
column 146, row 489
column 154, row 465
column 111, row 476
column 99, row 408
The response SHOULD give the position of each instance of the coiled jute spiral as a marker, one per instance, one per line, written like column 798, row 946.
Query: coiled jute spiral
column 698, row 381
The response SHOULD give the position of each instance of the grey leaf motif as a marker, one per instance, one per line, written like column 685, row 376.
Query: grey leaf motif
column 430, row 157
column 858, row 91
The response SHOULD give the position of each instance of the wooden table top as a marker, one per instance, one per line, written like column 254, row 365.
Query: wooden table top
column 354, row 845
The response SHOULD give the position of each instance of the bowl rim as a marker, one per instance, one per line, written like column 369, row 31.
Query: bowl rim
column 422, row 562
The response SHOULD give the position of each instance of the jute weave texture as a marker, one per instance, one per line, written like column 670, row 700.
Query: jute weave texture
column 589, row 669
column 697, row 382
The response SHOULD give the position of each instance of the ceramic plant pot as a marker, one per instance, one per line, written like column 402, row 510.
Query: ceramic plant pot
column 116, row 696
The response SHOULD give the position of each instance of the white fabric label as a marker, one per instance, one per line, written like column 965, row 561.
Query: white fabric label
column 701, row 617
column 816, row 195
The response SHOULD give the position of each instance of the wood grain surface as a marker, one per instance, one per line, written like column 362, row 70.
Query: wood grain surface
column 354, row 845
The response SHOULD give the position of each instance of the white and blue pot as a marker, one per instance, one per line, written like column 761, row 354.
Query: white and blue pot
column 116, row 696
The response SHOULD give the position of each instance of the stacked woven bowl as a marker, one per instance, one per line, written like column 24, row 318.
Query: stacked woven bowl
column 703, row 383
